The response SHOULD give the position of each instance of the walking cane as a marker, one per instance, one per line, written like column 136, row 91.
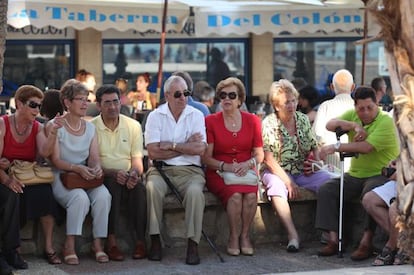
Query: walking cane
column 342, row 155
column 158, row 165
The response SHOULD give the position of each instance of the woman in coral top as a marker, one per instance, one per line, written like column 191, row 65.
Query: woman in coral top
column 23, row 138
column 234, row 145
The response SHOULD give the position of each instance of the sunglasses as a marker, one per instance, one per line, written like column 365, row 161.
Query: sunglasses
column 33, row 104
column 231, row 95
column 177, row 94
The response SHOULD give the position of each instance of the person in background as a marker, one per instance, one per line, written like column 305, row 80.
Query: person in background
column 217, row 69
column 141, row 98
column 371, row 134
column 23, row 138
column 51, row 106
column 308, row 102
column 205, row 94
column 175, row 137
column 234, row 145
column 123, row 169
column 122, row 85
column 76, row 149
column 380, row 87
column 87, row 79
column 190, row 101
column 343, row 85
column 288, row 141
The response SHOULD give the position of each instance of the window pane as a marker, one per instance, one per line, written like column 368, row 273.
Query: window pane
column 45, row 66
column 127, row 59
column 316, row 61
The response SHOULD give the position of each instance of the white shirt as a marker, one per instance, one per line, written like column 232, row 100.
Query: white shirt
column 328, row 110
column 161, row 126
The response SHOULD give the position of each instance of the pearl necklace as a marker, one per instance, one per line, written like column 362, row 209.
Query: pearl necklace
column 70, row 127
column 15, row 127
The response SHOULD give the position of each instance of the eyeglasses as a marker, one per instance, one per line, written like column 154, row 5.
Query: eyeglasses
column 231, row 95
column 108, row 103
column 177, row 94
column 33, row 104
column 82, row 99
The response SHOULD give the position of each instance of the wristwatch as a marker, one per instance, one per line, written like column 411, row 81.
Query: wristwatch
column 174, row 146
column 337, row 145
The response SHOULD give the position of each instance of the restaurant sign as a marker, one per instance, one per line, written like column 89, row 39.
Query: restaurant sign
column 276, row 22
column 22, row 13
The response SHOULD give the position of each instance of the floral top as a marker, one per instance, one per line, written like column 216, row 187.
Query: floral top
column 289, row 151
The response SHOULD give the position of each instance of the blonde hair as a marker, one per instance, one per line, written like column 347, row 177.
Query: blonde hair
column 283, row 86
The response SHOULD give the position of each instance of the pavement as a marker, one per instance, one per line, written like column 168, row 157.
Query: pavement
column 268, row 259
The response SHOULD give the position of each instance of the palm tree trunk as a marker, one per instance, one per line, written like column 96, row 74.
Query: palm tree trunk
column 397, row 32
column 3, row 31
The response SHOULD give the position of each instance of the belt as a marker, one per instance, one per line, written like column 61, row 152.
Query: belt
column 159, row 163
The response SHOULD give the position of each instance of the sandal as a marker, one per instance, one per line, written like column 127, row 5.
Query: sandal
column 101, row 257
column 71, row 259
column 53, row 258
column 401, row 258
column 386, row 257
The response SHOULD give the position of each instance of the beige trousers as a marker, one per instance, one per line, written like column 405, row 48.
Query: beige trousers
column 189, row 181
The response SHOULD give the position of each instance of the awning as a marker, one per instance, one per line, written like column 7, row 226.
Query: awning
column 100, row 16
column 222, row 17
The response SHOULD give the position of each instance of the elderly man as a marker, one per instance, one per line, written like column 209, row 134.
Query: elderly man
column 120, row 142
column 175, row 137
column 371, row 134
column 343, row 85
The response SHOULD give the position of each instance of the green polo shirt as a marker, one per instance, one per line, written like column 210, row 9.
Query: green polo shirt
column 382, row 135
column 118, row 147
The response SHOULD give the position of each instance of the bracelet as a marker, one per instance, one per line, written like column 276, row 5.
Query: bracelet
column 174, row 146
column 221, row 166
column 252, row 162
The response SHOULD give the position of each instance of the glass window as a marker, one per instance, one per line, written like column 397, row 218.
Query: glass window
column 45, row 65
column 127, row 59
column 317, row 60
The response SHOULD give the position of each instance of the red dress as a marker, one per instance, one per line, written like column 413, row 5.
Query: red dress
column 231, row 147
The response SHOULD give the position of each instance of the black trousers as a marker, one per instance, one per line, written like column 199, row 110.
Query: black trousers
column 136, row 203
column 9, row 219
column 327, row 210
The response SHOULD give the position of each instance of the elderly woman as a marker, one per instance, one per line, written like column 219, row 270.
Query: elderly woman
column 234, row 145
column 23, row 138
column 288, row 139
column 76, row 149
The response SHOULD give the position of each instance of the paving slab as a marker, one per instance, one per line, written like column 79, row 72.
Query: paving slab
column 268, row 259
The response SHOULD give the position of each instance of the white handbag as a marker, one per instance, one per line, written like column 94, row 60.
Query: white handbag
column 230, row 178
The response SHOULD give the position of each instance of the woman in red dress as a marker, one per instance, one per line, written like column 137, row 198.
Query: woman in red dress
column 234, row 145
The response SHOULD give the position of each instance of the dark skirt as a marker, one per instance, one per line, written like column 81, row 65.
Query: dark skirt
column 37, row 201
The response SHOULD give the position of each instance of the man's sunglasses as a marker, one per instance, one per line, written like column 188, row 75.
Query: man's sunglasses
column 231, row 95
column 33, row 104
column 177, row 94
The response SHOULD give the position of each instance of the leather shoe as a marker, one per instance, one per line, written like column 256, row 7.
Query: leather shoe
column 363, row 252
column 192, row 253
column 15, row 260
column 330, row 249
column 140, row 251
column 155, row 253
column 115, row 254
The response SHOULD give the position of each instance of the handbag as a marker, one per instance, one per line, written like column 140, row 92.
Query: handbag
column 31, row 173
column 72, row 180
column 231, row 178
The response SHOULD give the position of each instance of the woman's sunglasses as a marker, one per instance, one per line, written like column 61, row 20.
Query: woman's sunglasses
column 231, row 95
column 33, row 104
column 177, row 94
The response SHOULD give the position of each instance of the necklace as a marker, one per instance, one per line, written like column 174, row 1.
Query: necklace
column 15, row 128
column 70, row 127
